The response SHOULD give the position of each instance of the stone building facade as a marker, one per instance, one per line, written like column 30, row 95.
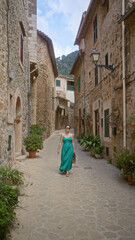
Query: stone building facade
column 46, row 83
column 14, row 76
column 65, row 102
column 109, row 95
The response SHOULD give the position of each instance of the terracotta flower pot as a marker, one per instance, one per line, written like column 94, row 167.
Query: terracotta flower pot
column 32, row 154
column 17, row 120
column 130, row 180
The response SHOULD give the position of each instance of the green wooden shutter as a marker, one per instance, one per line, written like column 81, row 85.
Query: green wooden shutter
column 106, row 121
column 57, row 82
column 79, row 83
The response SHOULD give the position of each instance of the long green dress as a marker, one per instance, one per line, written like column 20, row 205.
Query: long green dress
column 66, row 154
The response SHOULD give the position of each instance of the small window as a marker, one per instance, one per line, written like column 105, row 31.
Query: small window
column 9, row 142
column 106, row 59
column 58, row 82
column 79, row 83
column 106, row 121
column 96, row 75
column 107, row 151
column 70, row 86
column 21, row 47
column 95, row 29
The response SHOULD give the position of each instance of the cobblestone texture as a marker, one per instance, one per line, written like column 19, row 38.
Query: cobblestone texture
column 92, row 204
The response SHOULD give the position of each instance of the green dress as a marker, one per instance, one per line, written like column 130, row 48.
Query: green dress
column 66, row 154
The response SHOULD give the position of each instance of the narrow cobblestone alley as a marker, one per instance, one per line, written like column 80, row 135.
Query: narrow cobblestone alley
column 92, row 204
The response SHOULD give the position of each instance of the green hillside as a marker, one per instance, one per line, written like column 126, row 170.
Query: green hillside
column 65, row 63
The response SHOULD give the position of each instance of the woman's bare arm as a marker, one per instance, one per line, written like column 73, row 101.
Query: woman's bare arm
column 73, row 142
column 60, row 144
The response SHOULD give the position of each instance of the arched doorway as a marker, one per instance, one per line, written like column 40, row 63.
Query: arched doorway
column 18, row 129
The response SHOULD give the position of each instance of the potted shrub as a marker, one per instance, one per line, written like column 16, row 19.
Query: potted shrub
column 98, row 151
column 33, row 143
column 125, row 161
column 37, row 129
column 17, row 120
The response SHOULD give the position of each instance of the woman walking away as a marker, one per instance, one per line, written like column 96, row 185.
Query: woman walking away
column 68, row 148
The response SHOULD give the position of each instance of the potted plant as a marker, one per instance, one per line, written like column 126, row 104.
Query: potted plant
column 17, row 119
column 125, row 161
column 37, row 129
column 33, row 143
column 98, row 151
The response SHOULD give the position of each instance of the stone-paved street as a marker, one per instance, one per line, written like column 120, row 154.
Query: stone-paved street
column 92, row 204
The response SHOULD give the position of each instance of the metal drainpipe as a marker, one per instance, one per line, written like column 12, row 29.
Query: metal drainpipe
column 29, row 108
column 8, row 34
column 124, row 75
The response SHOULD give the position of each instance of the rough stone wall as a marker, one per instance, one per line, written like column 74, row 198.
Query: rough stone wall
column 71, row 117
column 32, row 18
column 16, row 78
column 3, row 80
column 45, row 83
column 105, row 94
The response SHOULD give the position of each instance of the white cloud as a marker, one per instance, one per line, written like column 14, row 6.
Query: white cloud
column 71, row 10
column 59, row 50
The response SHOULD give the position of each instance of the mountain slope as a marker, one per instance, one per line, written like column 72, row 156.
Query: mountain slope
column 65, row 63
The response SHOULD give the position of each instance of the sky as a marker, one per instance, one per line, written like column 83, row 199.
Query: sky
column 60, row 20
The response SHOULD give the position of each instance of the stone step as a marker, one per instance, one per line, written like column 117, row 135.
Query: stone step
column 21, row 158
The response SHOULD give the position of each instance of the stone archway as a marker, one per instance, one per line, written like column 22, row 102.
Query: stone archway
column 18, row 128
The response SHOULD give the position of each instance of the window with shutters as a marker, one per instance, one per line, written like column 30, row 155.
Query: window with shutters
column 95, row 29
column 58, row 83
column 79, row 83
column 106, row 122
column 21, row 47
column 96, row 76
column 70, row 86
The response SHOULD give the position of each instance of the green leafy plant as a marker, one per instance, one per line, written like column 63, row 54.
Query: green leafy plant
column 99, row 149
column 11, row 176
column 33, row 142
column 125, row 161
column 37, row 129
column 109, row 161
column 9, row 195
column 6, row 220
column 90, row 142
